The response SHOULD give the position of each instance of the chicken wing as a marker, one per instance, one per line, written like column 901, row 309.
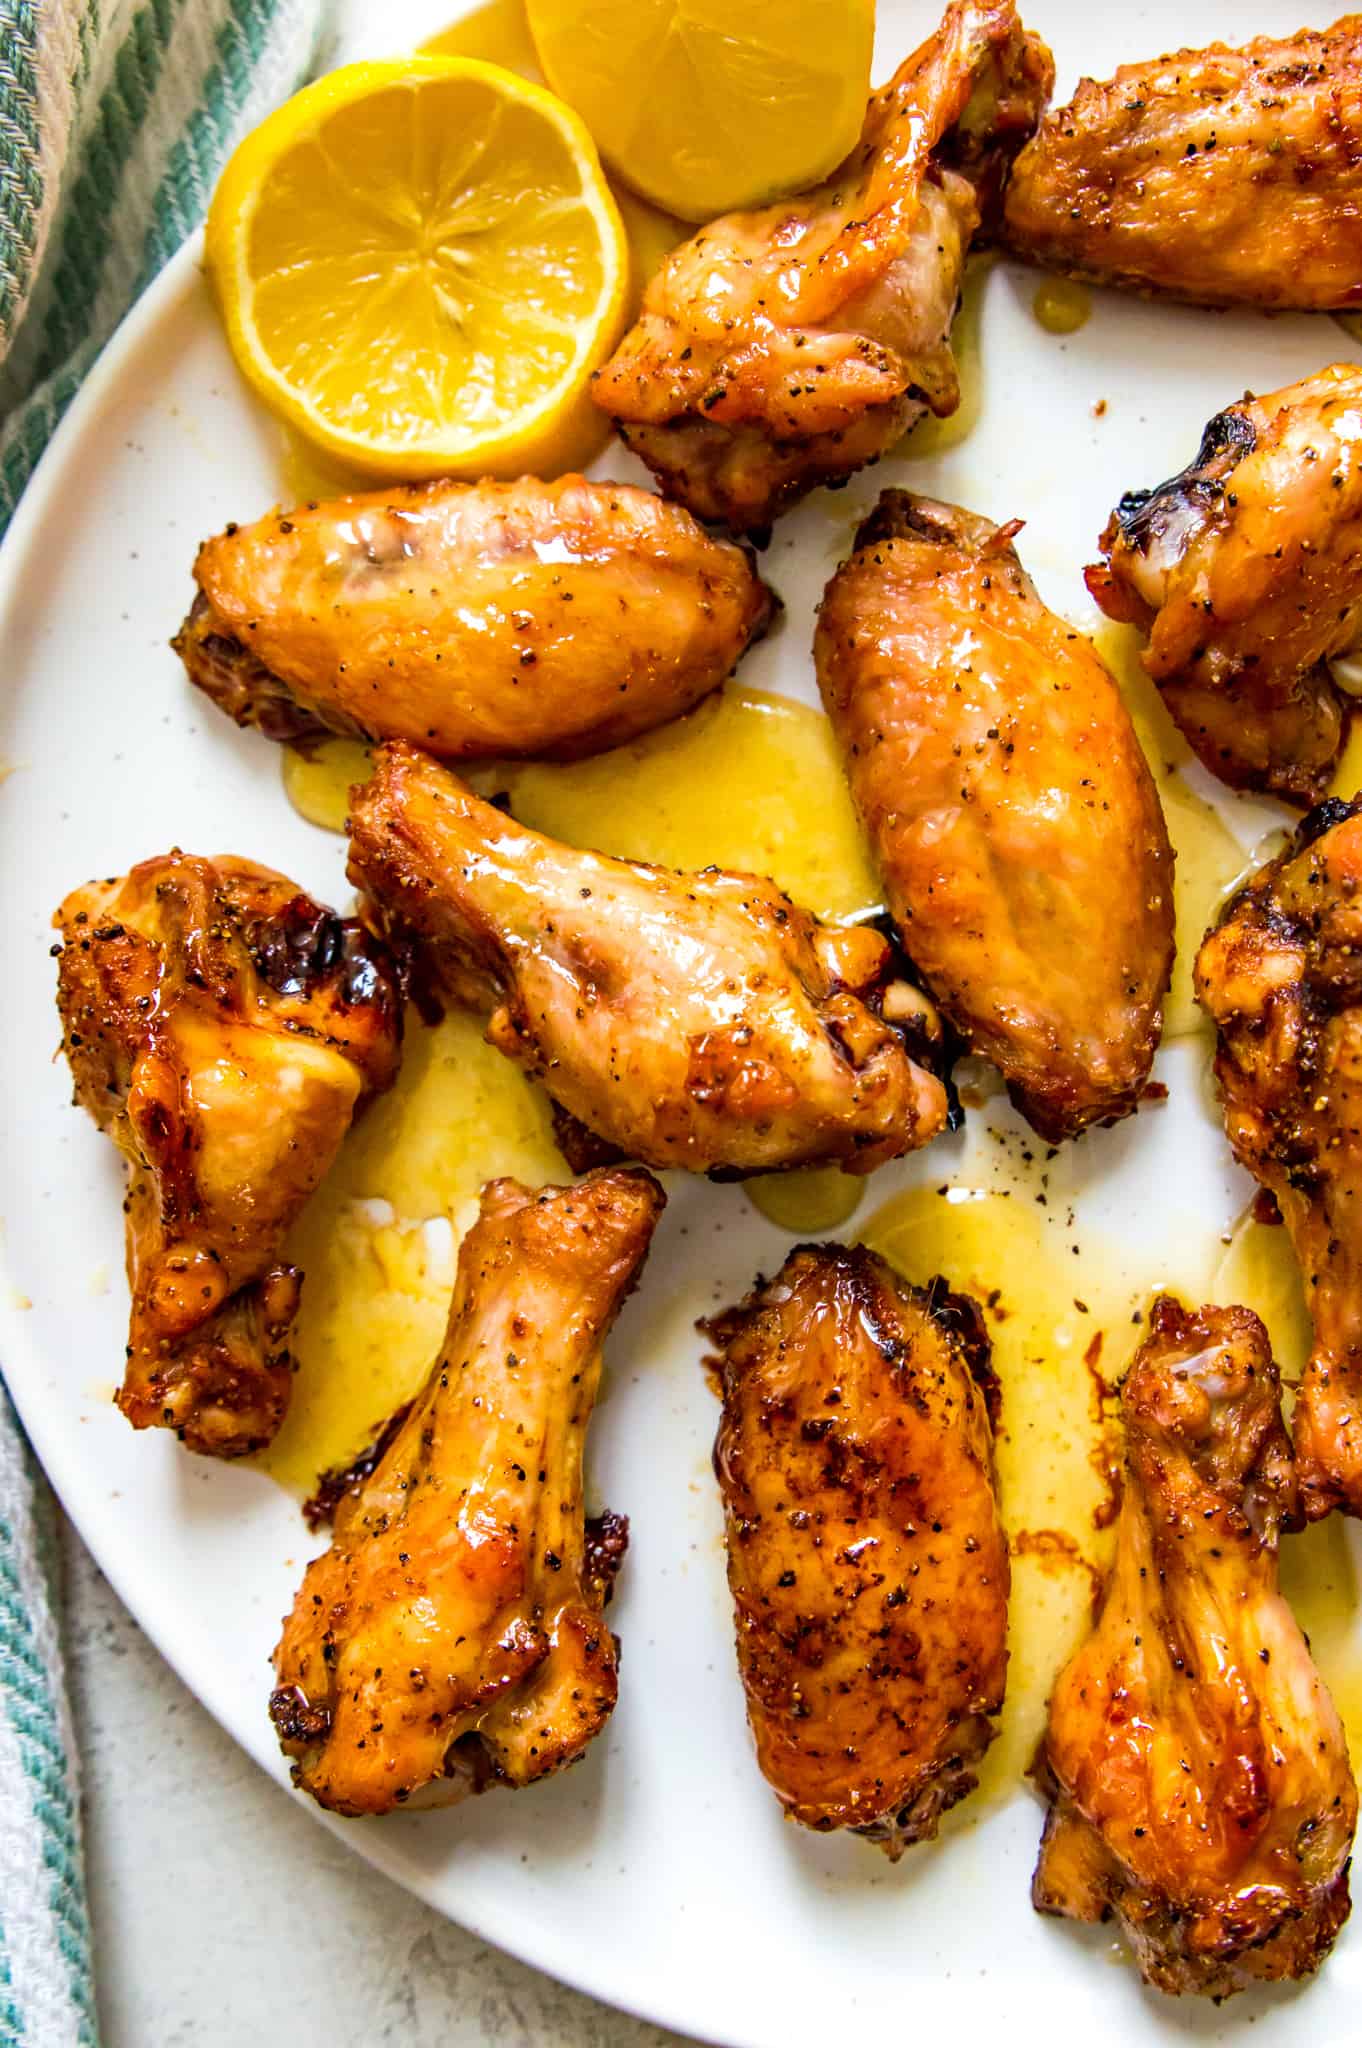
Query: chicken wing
column 1246, row 571
column 451, row 1638
column 222, row 1028
column 697, row 1020
column 868, row 1567
column 1197, row 1768
column 1281, row 977
column 1015, row 821
column 1227, row 177
column 547, row 619
column 786, row 348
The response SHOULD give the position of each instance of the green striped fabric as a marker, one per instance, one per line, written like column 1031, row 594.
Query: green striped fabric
column 115, row 117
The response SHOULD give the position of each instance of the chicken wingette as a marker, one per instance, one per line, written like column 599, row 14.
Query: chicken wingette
column 868, row 1566
column 1013, row 816
column 693, row 1020
column 1281, row 979
column 1223, row 176
column 1197, row 1769
column 1246, row 572
column 452, row 1636
column 786, row 348
column 222, row 1028
column 528, row 618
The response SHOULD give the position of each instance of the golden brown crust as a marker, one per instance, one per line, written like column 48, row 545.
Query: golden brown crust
column 693, row 1020
column 1197, row 1769
column 1223, row 176
column 1246, row 572
column 221, row 1027
column 1280, row 978
column 785, row 348
column 868, row 1567
column 527, row 618
column 1015, row 821
column 451, row 1637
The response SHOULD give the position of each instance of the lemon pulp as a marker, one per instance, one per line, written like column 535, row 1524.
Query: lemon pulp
column 420, row 264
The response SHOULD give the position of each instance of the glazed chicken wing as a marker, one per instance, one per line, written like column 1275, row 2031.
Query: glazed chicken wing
column 1197, row 1768
column 786, row 348
column 1281, row 977
column 698, row 1020
column 1246, row 572
column 451, row 1638
column 546, row 619
column 1014, row 818
column 1227, row 177
column 222, row 1028
column 868, row 1567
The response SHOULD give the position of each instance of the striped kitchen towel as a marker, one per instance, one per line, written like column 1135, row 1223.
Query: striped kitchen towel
column 115, row 116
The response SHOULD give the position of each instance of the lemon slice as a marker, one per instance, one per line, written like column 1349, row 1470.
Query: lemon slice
column 420, row 264
column 704, row 106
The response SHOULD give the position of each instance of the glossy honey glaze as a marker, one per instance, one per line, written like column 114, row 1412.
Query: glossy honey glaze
column 1064, row 1324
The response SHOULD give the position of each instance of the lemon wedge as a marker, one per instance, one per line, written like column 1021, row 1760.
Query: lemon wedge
column 419, row 265
column 705, row 106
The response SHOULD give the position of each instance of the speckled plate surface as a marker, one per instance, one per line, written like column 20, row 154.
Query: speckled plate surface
column 659, row 1874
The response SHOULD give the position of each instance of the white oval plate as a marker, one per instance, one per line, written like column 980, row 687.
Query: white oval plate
column 659, row 1874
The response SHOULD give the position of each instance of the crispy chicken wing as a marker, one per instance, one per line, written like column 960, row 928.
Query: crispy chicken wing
column 698, row 1020
column 785, row 348
column 222, row 1028
column 1013, row 815
column 1246, row 571
column 868, row 1566
column 1281, row 977
column 1197, row 1769
column 451, row 1638
column 1221, row 176
column 548, row 619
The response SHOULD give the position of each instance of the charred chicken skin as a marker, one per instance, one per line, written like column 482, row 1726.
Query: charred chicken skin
column 868, row 1567
column 1013, row 815
column 452, row 1637
column 222, row 1028
column 1227, row 177
column 1197, row 1768
column 692, row 1020
column 529, row 618
column 1281, row 978
column 788, row 347
column 1246, row 572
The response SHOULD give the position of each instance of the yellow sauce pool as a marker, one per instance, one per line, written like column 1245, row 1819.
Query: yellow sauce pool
column 377, row 1241
column 747, row 781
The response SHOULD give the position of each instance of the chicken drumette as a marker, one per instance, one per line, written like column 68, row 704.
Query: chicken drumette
column 868, row 1566
column 222, row 1028
column 1221, row 176
column 785, row 348
column 1015, row 821
column 1281, row 977
column 1246, row 572
column 549, row 619
column 452, row 1638
column 695, row 1020
column 1197, row 1768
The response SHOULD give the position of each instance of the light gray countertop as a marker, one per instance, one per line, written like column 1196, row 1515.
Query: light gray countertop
column 223, row 1916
